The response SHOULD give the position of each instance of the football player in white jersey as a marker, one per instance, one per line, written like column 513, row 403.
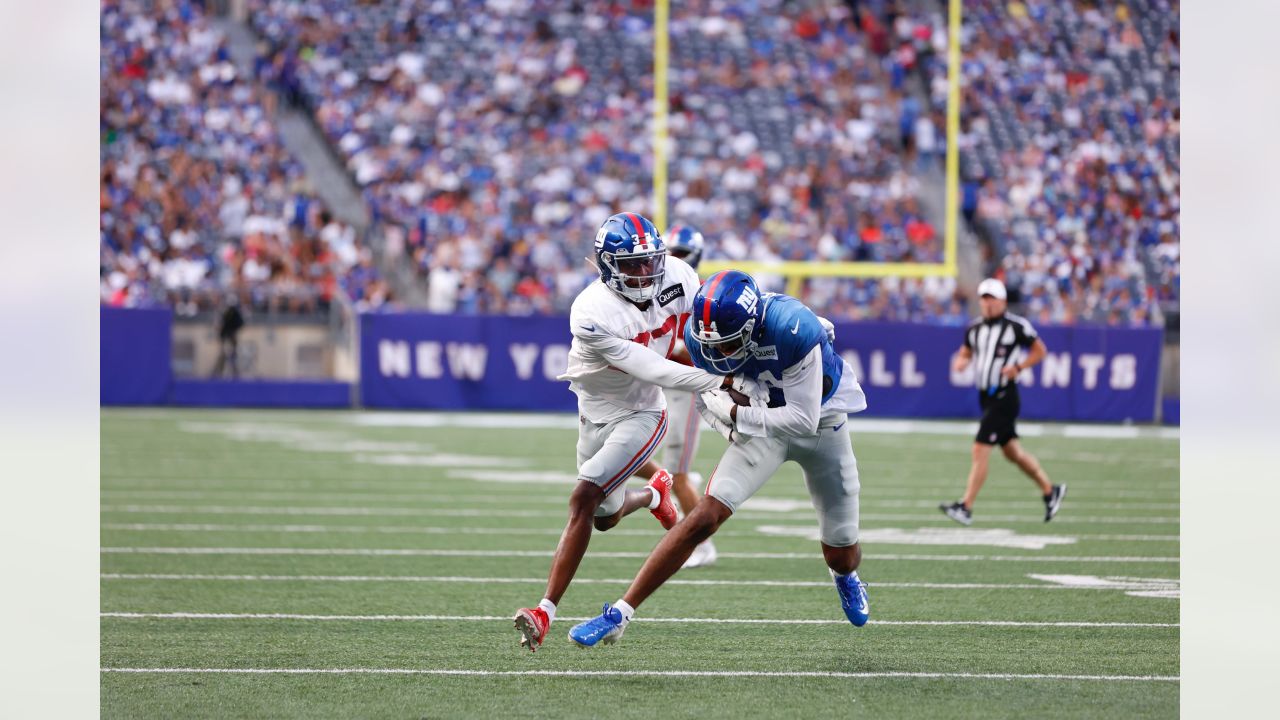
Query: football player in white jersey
column 793, row 406
column 625, row 328
column 681, row 445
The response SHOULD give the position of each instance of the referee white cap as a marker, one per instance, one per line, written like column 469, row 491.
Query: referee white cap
column 992, row 287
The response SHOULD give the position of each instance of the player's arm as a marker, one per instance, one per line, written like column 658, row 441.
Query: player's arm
column 1034, row 356
column 961, row 359
column 1029, row 339
column 802, row 389
column 643, row 364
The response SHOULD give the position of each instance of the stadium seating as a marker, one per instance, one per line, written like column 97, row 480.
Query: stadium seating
column 1070, row 125
column 199, row 198
column 491, row 137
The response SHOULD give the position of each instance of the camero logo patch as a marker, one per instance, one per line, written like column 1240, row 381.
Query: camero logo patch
column 671, row 293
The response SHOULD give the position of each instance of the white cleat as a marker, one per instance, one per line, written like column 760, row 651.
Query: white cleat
column 703, row 555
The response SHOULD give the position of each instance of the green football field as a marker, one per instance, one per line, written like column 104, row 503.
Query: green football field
column 293, row 564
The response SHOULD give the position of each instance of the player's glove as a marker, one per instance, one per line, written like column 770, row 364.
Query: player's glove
column 756, row 392
column 719, row 404
column 726, row 431
column 715, row 406
column 829, row 328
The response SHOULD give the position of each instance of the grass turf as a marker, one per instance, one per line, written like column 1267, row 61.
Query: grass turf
column 236, row 482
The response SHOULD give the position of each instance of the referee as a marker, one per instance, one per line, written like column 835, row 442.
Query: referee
column 995, row 344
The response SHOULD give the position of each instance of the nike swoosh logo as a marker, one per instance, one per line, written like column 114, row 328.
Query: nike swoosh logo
column 589, row 328
column 797, row 327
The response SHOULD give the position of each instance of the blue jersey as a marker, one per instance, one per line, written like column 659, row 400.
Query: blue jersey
column 790, row 331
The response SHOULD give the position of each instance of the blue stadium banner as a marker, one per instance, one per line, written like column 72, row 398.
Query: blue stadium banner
column 1091, row 374
column 418, row 360
column 133, row 356
column 412, row 360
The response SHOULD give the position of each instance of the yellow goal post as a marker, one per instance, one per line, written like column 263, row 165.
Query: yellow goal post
column 797, row 271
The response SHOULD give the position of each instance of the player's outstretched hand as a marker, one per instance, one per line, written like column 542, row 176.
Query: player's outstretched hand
column 720, row 405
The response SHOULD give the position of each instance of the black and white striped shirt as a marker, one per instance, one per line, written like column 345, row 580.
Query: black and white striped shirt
column 996, row 344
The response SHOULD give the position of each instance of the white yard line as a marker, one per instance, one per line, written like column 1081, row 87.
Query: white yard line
column 1133, row 538
column 338, row 529
column 469, row 530
column 1065, row 518
column 436, row 552
column 856, row 425
column 341, row 511
column 654, row 532
column 481, row 512
column 380, row 487
column 682, row 621
column 242, row 494
column 386, row 487
column 569, row 421
column 1148, row 585
column 1024, row 504
column 561, row 499
column 645, row 673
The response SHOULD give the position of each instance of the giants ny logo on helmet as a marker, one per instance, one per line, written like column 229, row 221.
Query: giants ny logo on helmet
column 748, row 299
column 727, row 312
column 630, row 257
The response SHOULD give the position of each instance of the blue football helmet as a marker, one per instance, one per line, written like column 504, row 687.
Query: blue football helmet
column 727, row 311
column 631, row 257
column 685, row 243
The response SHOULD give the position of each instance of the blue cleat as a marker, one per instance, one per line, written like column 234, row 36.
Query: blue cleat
column 853, row 598
column 607, row 628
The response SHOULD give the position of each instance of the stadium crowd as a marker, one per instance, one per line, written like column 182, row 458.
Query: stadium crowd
column 199, row 200
column 1069, row 133
column 492, row 137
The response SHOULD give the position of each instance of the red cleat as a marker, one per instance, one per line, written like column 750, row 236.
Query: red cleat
column 532, row 624
column 666, row 510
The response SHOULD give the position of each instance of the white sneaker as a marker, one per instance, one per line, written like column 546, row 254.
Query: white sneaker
column 703, row 555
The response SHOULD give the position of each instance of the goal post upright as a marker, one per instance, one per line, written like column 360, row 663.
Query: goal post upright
column 797, row 271
column 661, row 56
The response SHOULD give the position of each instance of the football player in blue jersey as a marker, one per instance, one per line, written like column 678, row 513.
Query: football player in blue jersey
column 791, row 400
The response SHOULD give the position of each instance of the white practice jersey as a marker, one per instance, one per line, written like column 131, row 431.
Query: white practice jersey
column 617, row 362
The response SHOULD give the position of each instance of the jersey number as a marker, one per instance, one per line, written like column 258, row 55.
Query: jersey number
column 674, row 326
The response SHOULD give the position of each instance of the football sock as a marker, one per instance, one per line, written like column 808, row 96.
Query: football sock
column 655, row 499
column 695, row 480
column 626, row 610
column 549, row 608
